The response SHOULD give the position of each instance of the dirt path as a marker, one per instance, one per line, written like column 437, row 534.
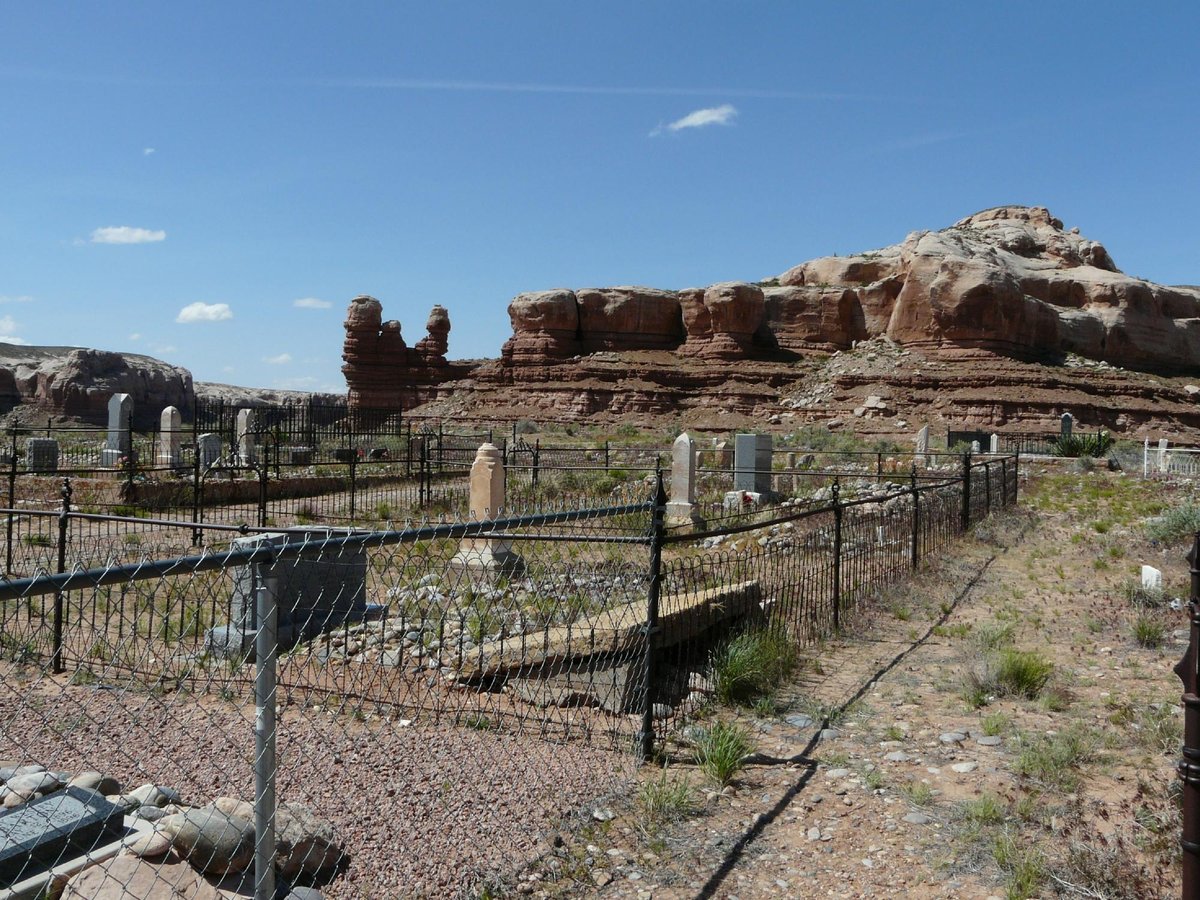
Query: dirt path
column 940, row 772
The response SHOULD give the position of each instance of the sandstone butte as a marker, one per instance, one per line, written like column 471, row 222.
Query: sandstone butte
column 1004, row 319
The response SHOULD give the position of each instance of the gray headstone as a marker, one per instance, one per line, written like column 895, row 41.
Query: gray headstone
column 170, row 434
column 1163, row 457
column 1068, row 422
column 315, row 593
column 208, row 447
column 38, row 835
column 120, row 406
column 752, row 463
column 922, row 445
column 681, row 508
column 41, row 454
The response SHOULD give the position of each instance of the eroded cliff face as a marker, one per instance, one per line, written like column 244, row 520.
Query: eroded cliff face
column 382, row 371
column 1008, row 279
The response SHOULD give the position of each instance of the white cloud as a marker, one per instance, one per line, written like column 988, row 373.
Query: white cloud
column 164, row 349
column 147, row 151
column 204, row 312
column 7, row 326
column 311, row 303
column 18, row 298
column 712, row 115
column 281, row 359
column 126, row 234
column 136, row 336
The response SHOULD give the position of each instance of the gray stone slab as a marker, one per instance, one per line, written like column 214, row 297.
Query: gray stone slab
column 42, row 833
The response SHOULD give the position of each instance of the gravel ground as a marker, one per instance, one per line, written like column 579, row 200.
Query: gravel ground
column 422, row 811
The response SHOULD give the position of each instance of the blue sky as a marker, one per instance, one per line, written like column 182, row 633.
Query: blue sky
column 176, row 178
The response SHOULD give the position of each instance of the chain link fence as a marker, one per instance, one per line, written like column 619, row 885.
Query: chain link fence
column 401, row 711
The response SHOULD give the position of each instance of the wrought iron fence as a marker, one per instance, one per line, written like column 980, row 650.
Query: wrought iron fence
column 474, row 677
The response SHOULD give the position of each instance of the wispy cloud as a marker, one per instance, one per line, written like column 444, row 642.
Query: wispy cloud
column 701, row 118
column 311, row 303
column 147, row 151
column 136, row 336
column 15, row 298
column 164, row 349
column 281, row 360
column 7, row 326
column 125, row 234
column 204, row 312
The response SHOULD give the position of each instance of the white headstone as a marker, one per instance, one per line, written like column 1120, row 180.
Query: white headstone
column 1151, row 578
column 120, row 406
column 922, row 445
column 1162, row 454
column 208, row 448
column 170, row 433
column 681, row 507
column 247, row 446
column 995, row 444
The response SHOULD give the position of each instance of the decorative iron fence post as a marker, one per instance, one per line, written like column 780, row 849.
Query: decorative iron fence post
column 1188, row 670
column 916, row 520
column 605, row 455
column 263, row 472
column 12, row 503
column 266, row 646
column 57, row 664
column 1016, row 475
column 987, row 489
column 537, row 455
column 1004, row 482
column 650, row 630
column 353, row 482
column 879, row 466
column 837, row 556
column 965, row 518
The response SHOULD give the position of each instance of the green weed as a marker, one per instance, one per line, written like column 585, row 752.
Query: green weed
column 721, row 749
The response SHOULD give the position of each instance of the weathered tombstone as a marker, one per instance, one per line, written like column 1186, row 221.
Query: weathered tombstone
column 118, row 444
column 974, row 446
column 487, row 554
column 995, row 444
column 922, row 445
column 681, row 508
column 41, row 454
column 300, row 456
column 315, row 594
column 722, row 458
column 1068, row 423
column 1151, row 578
column 170, row 434
column 43, row 833
column 752, row 463
column 208, row 447
column 247, row 446
column 1163, row 457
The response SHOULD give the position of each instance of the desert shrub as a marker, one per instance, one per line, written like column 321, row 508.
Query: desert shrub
column 720, row 751
column 667, row 798
column 1076, row 445
column 750, row 664
column 1175, row 524
column 1022, row 673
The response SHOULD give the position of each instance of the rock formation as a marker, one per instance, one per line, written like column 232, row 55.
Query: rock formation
column 77, row 383
column 382, row 372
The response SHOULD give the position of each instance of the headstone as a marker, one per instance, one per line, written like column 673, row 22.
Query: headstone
column 300, row 456
column 722, row 457
column 208, row 447
column 1068, row 422
column 316, row 593
column 40, row 834
column 487, row 554
column 995, row 444
column 974, row 446
column 922, row 445
column 681, row 508
column 741, row 500
column 41, row 454
column 1163, row 457
column 752, row 463
column 170, row 434
column 246, row 443
column 1151, row 578
column 118, row 444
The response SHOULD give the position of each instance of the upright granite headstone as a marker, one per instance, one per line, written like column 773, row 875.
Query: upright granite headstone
column 315, row 593
column 40, row 834
column 170, row 434
column 922, row 445
column 1068, row 423
column 994, row 446
column 41, row 454
column 118, row 444
column 1164, row 460
column 208, row 448
column 752, row 463
column 1151, row 578
column 722, row 458
column 247, row 445
column 681, row 508
column 487, row 554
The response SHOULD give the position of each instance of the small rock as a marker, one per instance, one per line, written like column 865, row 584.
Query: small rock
column 952, row 737
column 897, row 756
column 603, row 814
column 916, row 818
column 601, row 877
column 837, row 773
column 213, row 842
column 990, row 740
column 96, row 781
column 799, row 720
column 963, row 767
column 814, row 834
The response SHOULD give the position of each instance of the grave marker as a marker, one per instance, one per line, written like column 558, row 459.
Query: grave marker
column 118, row 444
column 681, row 509
column 41, row 833
column 208, row 448
column 247, row 446
column 752, row 463
column 170, row 434
column 41, row 454
column 487, row 554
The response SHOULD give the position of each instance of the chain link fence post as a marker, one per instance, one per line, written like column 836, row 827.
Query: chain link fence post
column 657, row 531
column 266, row 647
